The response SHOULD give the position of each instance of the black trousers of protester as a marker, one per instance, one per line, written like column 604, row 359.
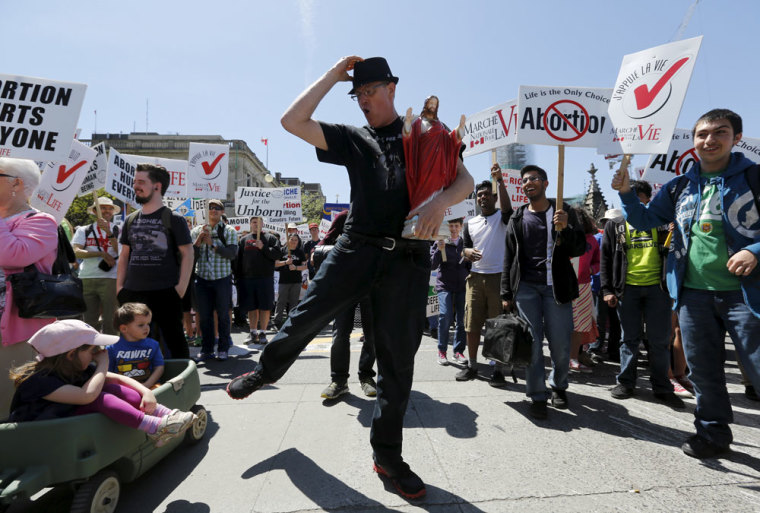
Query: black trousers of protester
column 396, row 282
column 340, row 352
column 609, row 315
column 166, row 306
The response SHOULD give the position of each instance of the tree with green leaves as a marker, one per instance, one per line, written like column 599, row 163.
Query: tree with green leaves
column 77, row 213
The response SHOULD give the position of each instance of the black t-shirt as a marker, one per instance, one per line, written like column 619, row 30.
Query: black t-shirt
column 376, row 168
column 28, row 403
column 153, row 264
column 533, row 258
column 253, row 262
column 286, row 275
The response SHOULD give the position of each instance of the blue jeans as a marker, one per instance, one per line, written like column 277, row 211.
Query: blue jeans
column 449, row 305
column 214, row 296
column 705, row 316
column 536, row 303
column 655, row 305
column 397, row 284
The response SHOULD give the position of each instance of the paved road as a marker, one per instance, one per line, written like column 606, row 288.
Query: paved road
column 286, row 450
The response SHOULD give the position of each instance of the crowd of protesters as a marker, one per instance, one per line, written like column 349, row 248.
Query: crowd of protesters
column 669, row 274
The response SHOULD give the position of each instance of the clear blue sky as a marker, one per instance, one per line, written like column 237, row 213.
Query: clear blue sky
column 232, row 67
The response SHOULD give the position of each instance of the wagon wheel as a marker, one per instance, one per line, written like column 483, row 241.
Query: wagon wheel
column 198, row 428
column 99, row 494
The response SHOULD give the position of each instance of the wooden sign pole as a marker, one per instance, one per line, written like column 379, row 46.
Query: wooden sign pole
column 494, row 185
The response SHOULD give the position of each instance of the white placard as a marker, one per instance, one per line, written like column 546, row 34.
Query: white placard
column 513, row 184
column 680, row 157
column 61, row 181
column 572, row 116
column 432, row 305
column 177, row 170
column 188, row 207
column 96, row 176
column 750, row 147
column 240, row 224
column 277, row 205
column 120, row 177
column 462, row 210
column 324, row 227
column 39, row 117
column 274, row 228
column 207, row 170
column 490, row 128
column 647, row 98
column 303, row 231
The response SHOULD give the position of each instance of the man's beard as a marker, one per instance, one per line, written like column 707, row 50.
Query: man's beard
column 143, row 201
column 429, row 113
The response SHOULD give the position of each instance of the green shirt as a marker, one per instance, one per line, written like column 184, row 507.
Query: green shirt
column 644, row 265
column 708, row 253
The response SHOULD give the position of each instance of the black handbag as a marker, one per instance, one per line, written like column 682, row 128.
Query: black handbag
column 508, row 340
column 44, row 296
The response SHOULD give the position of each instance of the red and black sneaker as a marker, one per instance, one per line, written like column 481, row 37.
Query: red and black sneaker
column 406, row 482
column 245, row 384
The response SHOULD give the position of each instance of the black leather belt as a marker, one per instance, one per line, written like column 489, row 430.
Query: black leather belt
column 391, row 244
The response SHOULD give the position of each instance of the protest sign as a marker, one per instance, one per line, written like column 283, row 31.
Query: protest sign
column 120, row 177
column 277, row 205
column 207, row 170
column 188, row 207
column 303, row 231
column 177, row 174
column 750, row 147
column 39, row 117
column 61, row 181
column 572, row 116
column 490, row 128
column 461, row 210
column 240, row 224
column 680, row 157
column 275, row 228
column 324, row 227
column 96, row 176
column 513, row 184
column 647, row 98
column 329, row 208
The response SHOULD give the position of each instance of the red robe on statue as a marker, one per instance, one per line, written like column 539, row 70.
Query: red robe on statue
column 431, row 160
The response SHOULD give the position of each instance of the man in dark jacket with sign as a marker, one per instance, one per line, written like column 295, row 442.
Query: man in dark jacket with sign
column 540, row 280
column 370, row 258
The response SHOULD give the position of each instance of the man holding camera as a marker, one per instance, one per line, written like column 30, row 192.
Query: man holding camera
column 97, row 245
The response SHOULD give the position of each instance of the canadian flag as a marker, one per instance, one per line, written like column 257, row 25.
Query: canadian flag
column 264, row 141
column 475, row 142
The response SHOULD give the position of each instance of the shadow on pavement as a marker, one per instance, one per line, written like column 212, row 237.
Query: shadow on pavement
column 331, row 494
column 459, row 420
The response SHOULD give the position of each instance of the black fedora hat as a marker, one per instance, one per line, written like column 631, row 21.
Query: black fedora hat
column 374, row 69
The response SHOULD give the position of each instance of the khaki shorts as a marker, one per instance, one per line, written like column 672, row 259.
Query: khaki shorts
column 482, row 300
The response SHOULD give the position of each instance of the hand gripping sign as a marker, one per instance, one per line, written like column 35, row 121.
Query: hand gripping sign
column 647, row 98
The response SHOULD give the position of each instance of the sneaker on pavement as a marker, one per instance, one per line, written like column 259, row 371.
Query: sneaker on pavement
column 263, row 339
column 442, row 360
column 460, row 358
column 203, row 357
column 334, row 390
column 467, row 374
column 670, row 399
column 679, row 390
column 245, row 384
column 698, row 447
column 369, row 387
column 497, row 379
column 559, row 399
column 621, row 392
column 577, row 366
column 253, row 338
column 406, row 482
column 222, row 356
column 538, row 410
column 586, row 359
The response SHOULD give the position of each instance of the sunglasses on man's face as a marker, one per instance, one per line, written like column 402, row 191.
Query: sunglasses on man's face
column 216, row 207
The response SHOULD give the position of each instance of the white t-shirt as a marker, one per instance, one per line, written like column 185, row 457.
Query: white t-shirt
column 489, row 235
column 85, row 237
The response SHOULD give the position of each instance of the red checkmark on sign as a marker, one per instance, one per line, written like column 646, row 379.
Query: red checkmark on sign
column 207, row 168
column 645, row 97
column 63, row 174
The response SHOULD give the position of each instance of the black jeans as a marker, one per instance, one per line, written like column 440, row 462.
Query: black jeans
column 166, row 306
column 340, row 353
column 396, row 282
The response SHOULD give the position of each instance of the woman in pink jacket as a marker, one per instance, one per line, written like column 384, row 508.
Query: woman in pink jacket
column 26, row 237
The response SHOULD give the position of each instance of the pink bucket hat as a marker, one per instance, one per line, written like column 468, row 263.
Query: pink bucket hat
column 63, row 336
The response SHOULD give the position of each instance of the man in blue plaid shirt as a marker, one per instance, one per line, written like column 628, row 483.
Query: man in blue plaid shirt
column 215, row 246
